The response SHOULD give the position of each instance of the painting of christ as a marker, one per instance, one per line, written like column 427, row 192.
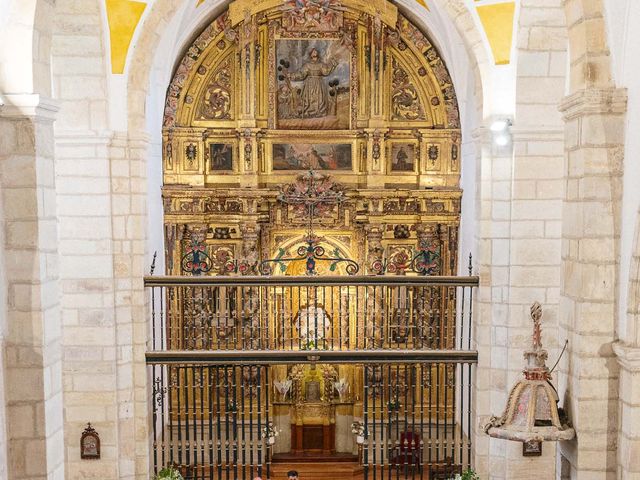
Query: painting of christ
column 306, row 156
column 312, row 84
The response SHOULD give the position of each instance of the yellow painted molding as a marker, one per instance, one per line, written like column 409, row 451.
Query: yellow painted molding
column 423, row 3
column 200, row 2
column 123, row 17
column 497, row 20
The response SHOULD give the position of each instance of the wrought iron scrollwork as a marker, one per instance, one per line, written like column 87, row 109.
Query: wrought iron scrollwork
column 196, row 260
column 311, row 194
column 311, row 253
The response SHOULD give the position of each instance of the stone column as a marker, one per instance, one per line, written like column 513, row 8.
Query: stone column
column 32, row 343
column 491, row 308
column 594, row 129
column 131, row 318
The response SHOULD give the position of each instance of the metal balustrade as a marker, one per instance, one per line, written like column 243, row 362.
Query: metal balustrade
column 311, row 313
column 216, row 340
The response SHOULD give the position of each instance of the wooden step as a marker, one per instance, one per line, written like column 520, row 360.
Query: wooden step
column 317, row 470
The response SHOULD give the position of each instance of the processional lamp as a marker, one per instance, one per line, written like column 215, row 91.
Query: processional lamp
column 532, row 415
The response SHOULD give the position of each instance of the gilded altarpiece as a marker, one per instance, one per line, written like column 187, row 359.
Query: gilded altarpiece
column 271, row 90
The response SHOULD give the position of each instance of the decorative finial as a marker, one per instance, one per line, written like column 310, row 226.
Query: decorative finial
column 470, row 267
column 536, row 315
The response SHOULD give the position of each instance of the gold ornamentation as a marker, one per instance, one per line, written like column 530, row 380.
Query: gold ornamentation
column 312, row 15
column 216, row 104
column 405, row 100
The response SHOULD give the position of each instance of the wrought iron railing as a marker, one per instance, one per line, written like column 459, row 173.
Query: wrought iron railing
column 217, row 342
column 311, row 313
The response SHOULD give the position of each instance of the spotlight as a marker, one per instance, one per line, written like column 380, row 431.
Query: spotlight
column 502, row 140
column 500, row 125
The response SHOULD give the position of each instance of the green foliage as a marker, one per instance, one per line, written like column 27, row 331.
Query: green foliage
column 469, row 474
column 169, row 473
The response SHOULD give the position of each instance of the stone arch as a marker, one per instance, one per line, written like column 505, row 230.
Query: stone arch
column 590, row 62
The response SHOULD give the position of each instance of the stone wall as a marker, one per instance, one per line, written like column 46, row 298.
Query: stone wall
column 548, row 227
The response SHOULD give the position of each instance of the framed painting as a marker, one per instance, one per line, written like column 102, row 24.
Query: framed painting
column 403, row 157
column 221, row 157
column 312, row 156
column 313, row 89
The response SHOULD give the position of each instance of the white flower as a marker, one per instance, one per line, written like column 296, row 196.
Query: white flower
column 270, row 431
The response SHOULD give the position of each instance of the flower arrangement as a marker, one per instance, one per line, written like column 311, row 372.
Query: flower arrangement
column 394, row 404
column 283, row 387
column 168, row 473
column 341, row 387
column 357, row 428
column 468, row 474
column 270, row 432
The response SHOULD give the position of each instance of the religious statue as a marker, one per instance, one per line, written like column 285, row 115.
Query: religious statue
column 313, row 323
column 315, row 91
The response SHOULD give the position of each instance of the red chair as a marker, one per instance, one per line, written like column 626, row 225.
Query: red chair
column 408, row 452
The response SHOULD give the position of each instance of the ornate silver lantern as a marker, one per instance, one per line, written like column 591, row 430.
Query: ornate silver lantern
column 532, row 414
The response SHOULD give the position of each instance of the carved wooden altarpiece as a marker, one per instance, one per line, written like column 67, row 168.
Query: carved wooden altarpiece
column 348, row 88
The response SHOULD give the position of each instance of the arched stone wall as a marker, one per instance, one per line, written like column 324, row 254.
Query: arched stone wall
column 528, row 189
column 30, row 334
column 594, row 134
column 119, row 175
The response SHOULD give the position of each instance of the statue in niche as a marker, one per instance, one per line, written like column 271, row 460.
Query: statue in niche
column 313, row 323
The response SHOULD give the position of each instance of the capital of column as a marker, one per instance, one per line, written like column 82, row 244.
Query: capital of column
column 32, row 105
column 628, row 356
column 594, row 101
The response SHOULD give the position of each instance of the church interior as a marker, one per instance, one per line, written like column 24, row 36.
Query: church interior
column 351, row 239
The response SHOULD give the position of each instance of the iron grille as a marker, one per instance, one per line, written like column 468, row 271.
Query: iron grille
column 215, row 341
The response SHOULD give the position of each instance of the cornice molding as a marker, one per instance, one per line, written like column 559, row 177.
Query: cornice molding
column 628, row 356
column 542, row 133
column 83, row 137
column 28, row 105
column 594, row 102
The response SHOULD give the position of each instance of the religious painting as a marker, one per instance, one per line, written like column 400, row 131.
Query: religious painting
column 403, row 157
column 314, row 156
column 313, row 90
column 89, row 443
column 221, row 156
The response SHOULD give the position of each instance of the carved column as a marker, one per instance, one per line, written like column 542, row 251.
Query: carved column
column 375, row 250
column 373, row 328
column 250, row 250
column 251, row 321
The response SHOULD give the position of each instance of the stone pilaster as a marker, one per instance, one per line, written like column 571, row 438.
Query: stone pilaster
column 32, row 341
column 629, row 411
column 594, row 129
column 129, row 210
